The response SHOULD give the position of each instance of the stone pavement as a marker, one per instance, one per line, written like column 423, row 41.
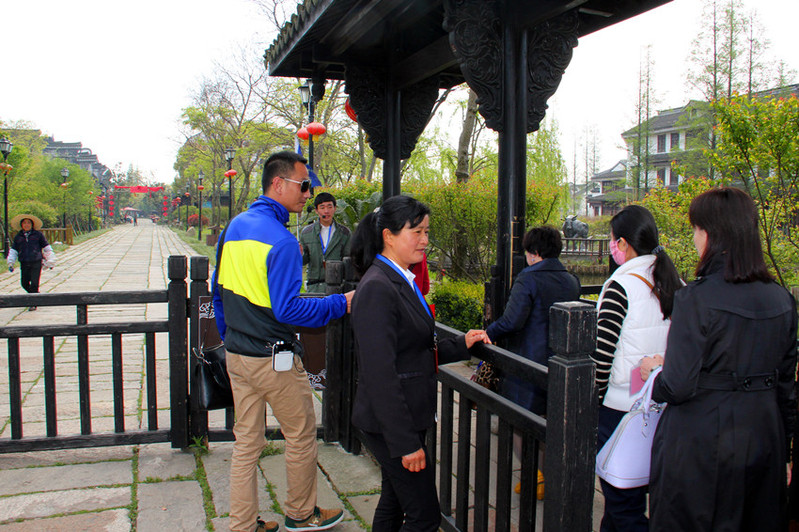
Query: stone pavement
column 143, row 487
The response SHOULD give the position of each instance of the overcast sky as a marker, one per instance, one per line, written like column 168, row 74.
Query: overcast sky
column 116, row 75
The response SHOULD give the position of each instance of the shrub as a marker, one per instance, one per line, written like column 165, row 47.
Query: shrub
column 49, row 216
column 193, row 220
column 459, row 304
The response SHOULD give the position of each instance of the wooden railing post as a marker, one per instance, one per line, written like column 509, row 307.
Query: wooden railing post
column 340, row 366
column 571, row 418
column 334, row 378
column 178, row 352
column 198, row 273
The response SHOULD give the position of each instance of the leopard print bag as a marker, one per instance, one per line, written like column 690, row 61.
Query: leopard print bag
column 485, row 376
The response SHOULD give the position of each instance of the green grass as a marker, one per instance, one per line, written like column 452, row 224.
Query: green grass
column 78, row 239
column 196, row 245
column 208, row 497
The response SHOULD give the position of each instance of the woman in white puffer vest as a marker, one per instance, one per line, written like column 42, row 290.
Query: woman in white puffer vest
column 634, row 308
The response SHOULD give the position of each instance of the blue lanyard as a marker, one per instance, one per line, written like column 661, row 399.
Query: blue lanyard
column 415, row 287
column 329, row 234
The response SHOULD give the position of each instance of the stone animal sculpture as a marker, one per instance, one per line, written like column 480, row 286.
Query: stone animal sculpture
column 574, row 228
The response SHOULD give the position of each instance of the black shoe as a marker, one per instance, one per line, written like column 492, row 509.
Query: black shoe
column 31, row 308
column 268, row 526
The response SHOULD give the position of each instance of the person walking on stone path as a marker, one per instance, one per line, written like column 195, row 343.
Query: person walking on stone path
column 32, row 249
column 256, row 289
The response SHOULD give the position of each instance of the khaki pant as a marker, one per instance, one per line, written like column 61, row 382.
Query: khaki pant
column 254, row 384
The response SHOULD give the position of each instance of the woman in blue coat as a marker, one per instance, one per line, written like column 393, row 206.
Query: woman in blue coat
column 525, row 322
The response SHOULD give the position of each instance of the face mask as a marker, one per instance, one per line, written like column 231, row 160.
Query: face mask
column 617, row 254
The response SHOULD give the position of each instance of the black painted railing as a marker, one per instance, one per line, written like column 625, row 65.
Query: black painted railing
column 177, row 433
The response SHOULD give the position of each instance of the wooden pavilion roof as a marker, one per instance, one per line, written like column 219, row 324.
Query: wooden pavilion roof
column 408, row 34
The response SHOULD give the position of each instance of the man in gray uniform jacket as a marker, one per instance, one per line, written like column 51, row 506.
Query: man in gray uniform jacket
column 322, row 241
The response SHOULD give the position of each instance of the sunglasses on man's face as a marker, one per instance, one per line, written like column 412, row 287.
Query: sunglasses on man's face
column 305, row 184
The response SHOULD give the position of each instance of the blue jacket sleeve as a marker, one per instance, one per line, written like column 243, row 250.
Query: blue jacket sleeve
column 284, row 269
column 219, row 310
column 516, row 312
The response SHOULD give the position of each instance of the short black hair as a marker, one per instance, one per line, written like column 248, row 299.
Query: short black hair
column 543, row 241
column 322, row 198
column 278, row 165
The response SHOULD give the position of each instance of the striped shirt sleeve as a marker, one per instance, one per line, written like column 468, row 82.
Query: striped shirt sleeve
column 612, row 310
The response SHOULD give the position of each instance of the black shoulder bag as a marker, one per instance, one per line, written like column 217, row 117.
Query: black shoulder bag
column 213, row 381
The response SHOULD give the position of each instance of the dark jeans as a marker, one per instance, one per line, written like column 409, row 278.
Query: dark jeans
column 31, row 272
column 624, row 508
column 408, row 501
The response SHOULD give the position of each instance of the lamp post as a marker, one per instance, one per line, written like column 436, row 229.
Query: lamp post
column 188, row 200
column 308, row 101
column 105, row 199
column 5, row 148
column 230, row 153
column 311, row 92
column 200, row 205
column 89, row 219
column 64, row 176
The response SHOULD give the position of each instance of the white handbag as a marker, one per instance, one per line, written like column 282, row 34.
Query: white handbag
column 624, row 460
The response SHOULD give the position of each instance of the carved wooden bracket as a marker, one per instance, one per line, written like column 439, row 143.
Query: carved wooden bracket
column 476, row 35
column 367, row 89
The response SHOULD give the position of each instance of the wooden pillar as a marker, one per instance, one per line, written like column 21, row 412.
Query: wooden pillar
column 178, row 353
column 512, row 177
column 198, row 272
column 571, row 418
column 392, row 162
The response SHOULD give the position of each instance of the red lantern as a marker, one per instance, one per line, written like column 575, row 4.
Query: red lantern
column 230, row 173
column 303, row 133
column 200, row 187
column 91, row 193
column 350, row 111
column 316, row 129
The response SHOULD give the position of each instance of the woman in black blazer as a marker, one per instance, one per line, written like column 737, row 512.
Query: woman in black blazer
column 398, row 354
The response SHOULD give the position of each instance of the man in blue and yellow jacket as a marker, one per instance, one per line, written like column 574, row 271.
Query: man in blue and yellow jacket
column 256, row 303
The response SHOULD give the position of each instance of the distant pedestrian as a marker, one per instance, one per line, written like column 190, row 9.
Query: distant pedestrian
column 32, row 249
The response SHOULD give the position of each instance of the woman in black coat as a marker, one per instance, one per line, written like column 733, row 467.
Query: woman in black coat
column 397, row 355
column 719, row 453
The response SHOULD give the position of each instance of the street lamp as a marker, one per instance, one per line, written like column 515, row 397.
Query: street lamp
column 309, row 100
column 64, row 176
column 105, row 201
column 91, row 197
column 5, row 148
column 188, row 200
column 200, row 219
column 230, row 153
column 310, row 93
